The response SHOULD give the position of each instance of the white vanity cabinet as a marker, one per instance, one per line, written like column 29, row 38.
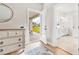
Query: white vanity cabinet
column 11, row 40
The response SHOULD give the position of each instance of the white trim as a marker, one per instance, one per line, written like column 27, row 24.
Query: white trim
column 51, row 44
column 28, row 10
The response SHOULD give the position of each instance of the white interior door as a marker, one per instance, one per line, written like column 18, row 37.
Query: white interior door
column 43, row 27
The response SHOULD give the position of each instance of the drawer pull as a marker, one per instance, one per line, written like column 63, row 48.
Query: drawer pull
column 19, row 39
column 1, row 50
column 1, row 42
column 16, row 33
column 19, row 45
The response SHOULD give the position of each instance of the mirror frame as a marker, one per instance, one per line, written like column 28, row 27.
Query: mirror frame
column 11, row 16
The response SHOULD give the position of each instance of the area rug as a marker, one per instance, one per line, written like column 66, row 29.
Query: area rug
column 38, row 51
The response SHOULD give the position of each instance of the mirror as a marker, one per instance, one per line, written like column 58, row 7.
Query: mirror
column 6, row 13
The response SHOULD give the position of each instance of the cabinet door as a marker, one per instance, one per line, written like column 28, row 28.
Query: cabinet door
column 67, row 43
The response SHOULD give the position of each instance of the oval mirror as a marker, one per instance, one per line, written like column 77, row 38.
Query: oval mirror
column 6, row 13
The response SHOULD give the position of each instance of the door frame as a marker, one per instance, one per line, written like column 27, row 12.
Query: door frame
column 28, row 10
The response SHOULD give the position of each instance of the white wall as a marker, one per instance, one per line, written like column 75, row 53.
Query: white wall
column 48, row 20
column 50, row 23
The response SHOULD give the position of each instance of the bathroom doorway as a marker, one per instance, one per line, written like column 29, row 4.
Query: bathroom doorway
column 34, row 25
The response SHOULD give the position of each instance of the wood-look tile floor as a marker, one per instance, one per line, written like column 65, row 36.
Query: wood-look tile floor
column 56, row 50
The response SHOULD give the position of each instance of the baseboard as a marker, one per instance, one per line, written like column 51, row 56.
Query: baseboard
column 53, row 45
column 43, row 41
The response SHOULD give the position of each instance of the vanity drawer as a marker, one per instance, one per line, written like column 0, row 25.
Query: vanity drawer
column 10, row 41
column 11, row 48
column 15, row 33
column 3, row 34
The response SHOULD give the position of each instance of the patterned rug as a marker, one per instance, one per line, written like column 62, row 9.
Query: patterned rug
column 40, row 50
